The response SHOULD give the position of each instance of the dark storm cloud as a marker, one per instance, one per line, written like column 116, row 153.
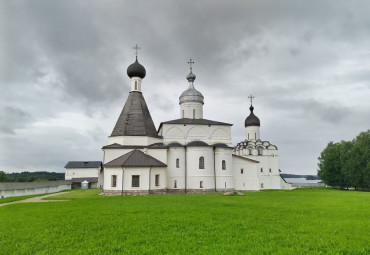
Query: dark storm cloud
column 305, row 61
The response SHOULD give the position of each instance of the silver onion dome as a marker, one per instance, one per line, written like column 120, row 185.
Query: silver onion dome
column 191, row 94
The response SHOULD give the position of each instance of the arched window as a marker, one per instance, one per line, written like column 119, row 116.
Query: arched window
column 201, row 163
column 201, row 184
column 193, row 113
column 175, row 184
column 135, row 85
column 223, row 165
column 177, row 163
column 259, row 152
column 250, row 152
column 261, row 185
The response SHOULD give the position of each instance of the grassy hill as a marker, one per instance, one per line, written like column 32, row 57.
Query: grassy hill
column 304, row 221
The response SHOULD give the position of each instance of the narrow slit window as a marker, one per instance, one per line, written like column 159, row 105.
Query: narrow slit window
column 193, row 113
column 177, row 163
column 223, row 165
column 201, row 163
column 135, row 85
column 242, row 171
column 157, row 180
column 201, row 184
column 175, row 184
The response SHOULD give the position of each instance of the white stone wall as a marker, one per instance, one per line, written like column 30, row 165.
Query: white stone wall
column 81, row 173
column 184, row 134
column 176, row 174
column 49, row 187
column 196, row 175
column 191, row 110
column 252, row 133
column 224, row 178
column 248, row 179
column 133, row 140
column 147, row 178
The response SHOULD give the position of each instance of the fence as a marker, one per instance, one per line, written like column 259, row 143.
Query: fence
column 15, row 189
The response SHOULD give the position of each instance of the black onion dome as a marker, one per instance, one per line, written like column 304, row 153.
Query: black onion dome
column 136, row 70
column 252, row 120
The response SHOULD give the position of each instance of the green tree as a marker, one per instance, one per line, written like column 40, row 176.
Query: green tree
column 3, row 177
column 347, row 164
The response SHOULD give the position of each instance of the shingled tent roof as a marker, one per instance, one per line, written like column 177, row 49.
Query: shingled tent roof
column 135, row 158
column 135, row 119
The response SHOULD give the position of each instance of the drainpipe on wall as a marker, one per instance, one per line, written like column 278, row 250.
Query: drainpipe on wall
column 186, row 173
column 214, row 165
column 150, row 176
column 122, row 182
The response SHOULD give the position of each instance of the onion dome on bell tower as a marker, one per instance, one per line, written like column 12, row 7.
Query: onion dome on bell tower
column 136, row 72
column 252, row 120
column 135, row 119
column 252, row 123
column 191, row 100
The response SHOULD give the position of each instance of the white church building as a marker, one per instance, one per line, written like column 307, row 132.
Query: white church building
column 190, row 154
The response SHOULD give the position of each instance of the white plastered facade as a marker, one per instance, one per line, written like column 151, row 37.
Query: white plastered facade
column 198, row 155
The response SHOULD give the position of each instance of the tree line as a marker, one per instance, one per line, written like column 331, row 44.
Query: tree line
column 346, row 164
column 30, row 176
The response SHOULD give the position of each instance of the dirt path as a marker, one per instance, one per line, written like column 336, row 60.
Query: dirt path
column 38, row 199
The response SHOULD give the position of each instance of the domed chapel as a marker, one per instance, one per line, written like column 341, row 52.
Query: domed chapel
column 190, row 154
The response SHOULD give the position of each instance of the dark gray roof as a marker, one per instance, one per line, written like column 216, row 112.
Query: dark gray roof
column 175, row 145
column 135, row 158
column 83, row 164
column 186, row 121
column 221, row 145
column 119, row 146
column 89, row 179
column 136, row 70
column 252, row 120
column 197, row 143
column 135, row 119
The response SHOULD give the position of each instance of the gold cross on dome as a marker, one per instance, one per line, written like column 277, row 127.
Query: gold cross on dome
column 251, row 97
column 136, row 47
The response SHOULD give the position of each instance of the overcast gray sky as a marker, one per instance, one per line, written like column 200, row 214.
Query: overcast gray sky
column 63, row 72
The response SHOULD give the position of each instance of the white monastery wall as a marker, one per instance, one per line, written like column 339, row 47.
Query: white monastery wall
column 81, row 173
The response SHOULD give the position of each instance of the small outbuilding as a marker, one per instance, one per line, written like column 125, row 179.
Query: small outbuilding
column 80, row 171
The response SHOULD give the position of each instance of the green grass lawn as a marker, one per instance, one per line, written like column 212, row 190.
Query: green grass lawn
column 303, row 221
column 12, row 199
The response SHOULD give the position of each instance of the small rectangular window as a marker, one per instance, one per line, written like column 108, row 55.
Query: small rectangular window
column 135, row 182
column 177, row 163
column 114, row 181
column 261, row 169
column 157, row 180
column 270, row 170
column 242, row 171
